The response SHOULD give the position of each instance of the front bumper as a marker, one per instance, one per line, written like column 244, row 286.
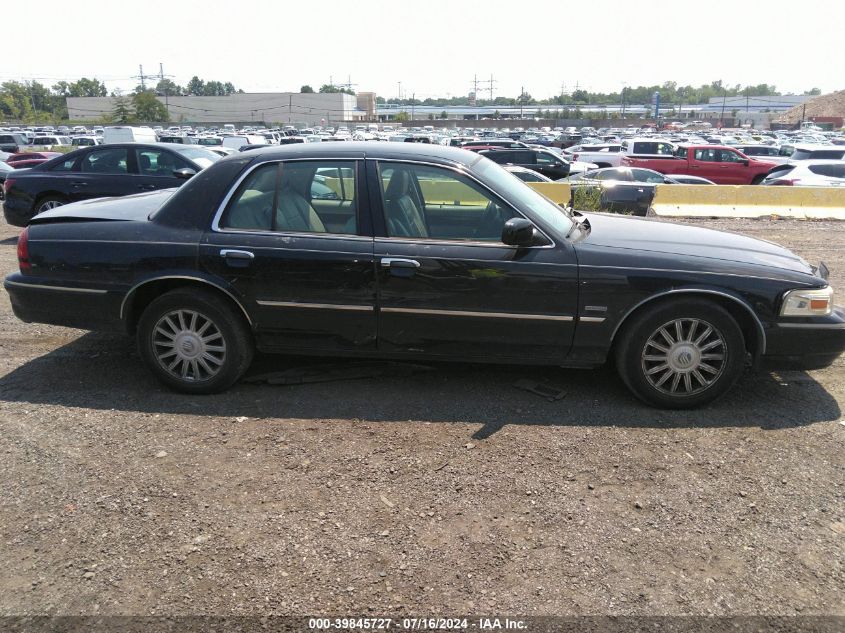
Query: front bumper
column 806, row 345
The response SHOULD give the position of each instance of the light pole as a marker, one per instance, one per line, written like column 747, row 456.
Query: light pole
column 622, row 99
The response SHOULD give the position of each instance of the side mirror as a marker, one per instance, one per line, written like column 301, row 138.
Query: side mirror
column 518, row 232
column 185, row 173
column 746, row 162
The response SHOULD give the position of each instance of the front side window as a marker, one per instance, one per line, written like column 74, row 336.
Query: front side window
column 158, row 162
column 728, row 156
column 435, row 203
column 296, row 197
column 106, row 161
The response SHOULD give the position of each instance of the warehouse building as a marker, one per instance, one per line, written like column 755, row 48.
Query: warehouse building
column 284, row 108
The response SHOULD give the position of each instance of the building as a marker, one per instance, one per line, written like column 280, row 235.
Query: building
column 283, row 108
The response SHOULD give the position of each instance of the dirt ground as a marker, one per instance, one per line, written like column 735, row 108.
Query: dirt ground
column 444, row 492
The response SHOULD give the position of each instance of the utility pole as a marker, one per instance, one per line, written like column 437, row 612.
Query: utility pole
column 622, row 99
column 722, row 116
column 491, row 86
column 290, row 107
column 521, row 100
column 413, row 103
column 400, row 91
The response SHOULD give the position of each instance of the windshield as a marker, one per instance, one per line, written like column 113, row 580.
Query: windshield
column 516, row 191
column 199, row 155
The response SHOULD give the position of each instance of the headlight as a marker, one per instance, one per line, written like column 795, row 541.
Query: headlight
column 813, row 302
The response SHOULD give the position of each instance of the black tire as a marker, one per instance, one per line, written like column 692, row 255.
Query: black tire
column 758, row 179
column 49, row 202
column 201, row 367
column 639, row 359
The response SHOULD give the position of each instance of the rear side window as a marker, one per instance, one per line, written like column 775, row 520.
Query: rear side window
column 653, row 147
column 66, row 165
column 106, row 161
column 681, row 152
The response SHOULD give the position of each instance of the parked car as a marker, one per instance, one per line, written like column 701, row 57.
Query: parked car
column 96, row 172
column 543, row 161
column 5, row 168
column 804, row 152
column 719, row 163
column 768, row 153
column 86, row 141
column 603, row 155
column 685, row 179
column 623, row 189
column 128, row 134
column 30, row 159
column 49, row 142
column 13, row 142
column 446, row 257
column 809, row 173
column 493, row 143
column 526, row 175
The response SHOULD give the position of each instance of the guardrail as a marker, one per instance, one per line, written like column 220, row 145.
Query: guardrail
column 749, row 201
column 558, row 192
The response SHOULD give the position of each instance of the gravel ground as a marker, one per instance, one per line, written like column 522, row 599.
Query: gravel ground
column 444, row 492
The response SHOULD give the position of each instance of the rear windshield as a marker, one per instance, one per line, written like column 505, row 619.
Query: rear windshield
column 806, row 154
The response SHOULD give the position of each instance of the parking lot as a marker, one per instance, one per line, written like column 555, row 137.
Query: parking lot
column 444, row 490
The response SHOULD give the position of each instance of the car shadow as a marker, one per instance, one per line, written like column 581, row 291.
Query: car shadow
column 9, row 241
column 104, row 372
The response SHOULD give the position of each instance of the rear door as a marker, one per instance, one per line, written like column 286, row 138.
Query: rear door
column 103, row 172
column 306, row 273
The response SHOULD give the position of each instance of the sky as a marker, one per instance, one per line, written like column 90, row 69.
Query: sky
column 435, row 48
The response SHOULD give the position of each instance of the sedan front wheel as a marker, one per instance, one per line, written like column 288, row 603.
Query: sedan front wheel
column 681, row 355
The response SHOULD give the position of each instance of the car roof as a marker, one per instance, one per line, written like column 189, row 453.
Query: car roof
column 367, row 149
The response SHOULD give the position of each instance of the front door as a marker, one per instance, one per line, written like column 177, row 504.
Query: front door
column 288, row 242
column 447, row 284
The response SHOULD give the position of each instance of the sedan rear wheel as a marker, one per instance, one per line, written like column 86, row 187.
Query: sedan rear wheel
column 681, row 355
column 195, row 341
column 49, row 203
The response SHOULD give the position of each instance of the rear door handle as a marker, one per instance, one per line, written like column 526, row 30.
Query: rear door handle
column 236, row 258
column 146, row 187
column 400, row 267
column 78, row 183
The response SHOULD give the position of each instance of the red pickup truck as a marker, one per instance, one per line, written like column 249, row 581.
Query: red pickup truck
column 723, row 165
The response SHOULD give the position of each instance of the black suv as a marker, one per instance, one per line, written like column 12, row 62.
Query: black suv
column 542, row 161
column 12, row 142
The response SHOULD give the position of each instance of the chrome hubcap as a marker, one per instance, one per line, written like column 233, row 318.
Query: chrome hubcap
column 188, row 345
column 684, row 357
column 50, row 204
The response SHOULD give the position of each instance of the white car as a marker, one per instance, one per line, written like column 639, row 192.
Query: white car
column 809, row 173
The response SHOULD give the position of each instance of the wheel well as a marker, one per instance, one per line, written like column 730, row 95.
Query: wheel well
column 602, row 165
column 742, row 315
column 758, row 179
column 49, row 194
column 141, row 297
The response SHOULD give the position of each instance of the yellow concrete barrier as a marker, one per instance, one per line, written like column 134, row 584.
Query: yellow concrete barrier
column 557, row 192
column 749, row 201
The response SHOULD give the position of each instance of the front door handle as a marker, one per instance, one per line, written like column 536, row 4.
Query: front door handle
column 78, row 183
column 146, row 187
column 236, row 258
column 400, row 267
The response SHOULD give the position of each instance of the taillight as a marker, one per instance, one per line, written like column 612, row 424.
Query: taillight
column 574, row 157
column 23, row 251
column 8, row 184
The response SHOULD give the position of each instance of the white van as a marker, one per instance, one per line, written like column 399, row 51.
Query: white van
column 128, row 134
column 228, row 127
column 236, row 142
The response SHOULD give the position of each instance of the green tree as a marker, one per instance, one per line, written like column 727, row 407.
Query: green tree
column 168, row 87
column 403, row 116
column 332, row 89
column 122, row 112
column 195, row 86
column 444, row 115
column 148, row 108
column 306, row 89
column 814, row 92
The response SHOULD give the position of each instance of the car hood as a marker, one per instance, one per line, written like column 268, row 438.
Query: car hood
column 134, row 207
column 625, row 232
